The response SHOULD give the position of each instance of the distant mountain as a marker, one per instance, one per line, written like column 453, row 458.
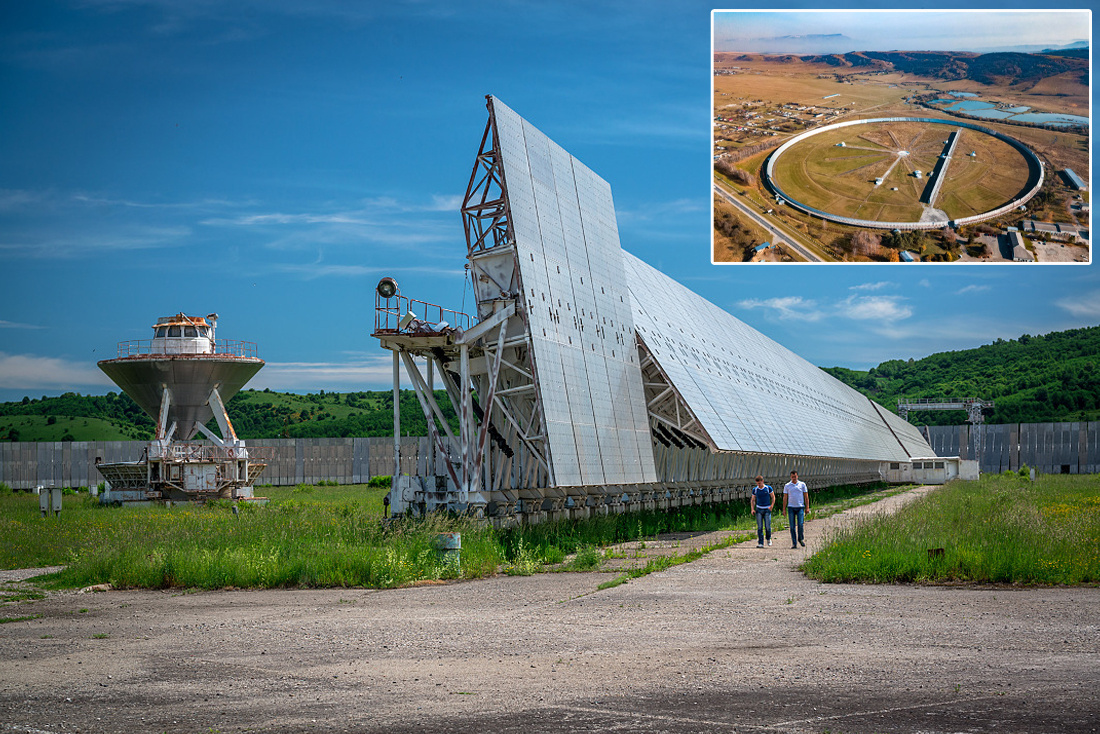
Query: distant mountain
column 1033, row 379
column 991, row 68
column 1075, row 53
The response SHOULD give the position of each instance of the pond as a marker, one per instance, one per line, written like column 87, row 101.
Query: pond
column 1018, row 113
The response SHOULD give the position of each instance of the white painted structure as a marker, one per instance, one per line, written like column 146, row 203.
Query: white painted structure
column 930, row 470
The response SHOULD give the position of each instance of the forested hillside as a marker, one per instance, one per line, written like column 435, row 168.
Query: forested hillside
column 255, row 414
column 1033, row 379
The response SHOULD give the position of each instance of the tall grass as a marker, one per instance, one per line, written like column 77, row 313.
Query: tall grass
column 1001, row 529
column 313, row 536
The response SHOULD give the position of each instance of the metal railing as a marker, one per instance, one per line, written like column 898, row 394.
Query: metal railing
column 222, row 348
column 203, row 452
column 939, row 401
column 388, row 313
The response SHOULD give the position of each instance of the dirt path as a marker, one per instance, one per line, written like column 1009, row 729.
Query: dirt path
column 736, row 641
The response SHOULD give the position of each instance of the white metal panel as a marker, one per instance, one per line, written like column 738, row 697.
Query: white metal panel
column 571, row 271
column 750, row 393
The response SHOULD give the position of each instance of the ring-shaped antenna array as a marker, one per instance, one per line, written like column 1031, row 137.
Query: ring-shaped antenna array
column 1035, row 172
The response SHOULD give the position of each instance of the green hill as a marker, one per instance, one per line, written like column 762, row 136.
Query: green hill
column 255, row 414
column 1033, row 379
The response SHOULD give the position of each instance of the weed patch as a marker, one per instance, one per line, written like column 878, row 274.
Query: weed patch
column 1001, row 529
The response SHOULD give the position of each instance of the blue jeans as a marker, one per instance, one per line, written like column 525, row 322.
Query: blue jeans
column 795, row 516
column 763, row 523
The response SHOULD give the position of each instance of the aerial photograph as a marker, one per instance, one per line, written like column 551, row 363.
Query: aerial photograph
column 938, row 137
column 382, row 368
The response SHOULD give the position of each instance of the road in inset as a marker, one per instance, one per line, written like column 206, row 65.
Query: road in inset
column 780, row 236
column 737, row 641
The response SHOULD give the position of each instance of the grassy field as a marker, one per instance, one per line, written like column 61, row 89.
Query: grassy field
column 77, row 428
column 1002, row 529
column 841, row 180
column 321, row 537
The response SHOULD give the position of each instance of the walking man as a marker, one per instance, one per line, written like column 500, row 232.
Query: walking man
column 796, row 500
column 762, row 501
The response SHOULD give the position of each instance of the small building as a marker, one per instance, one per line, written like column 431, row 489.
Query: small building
column 1074, row 180
column 930, row 470
column 878, row 181
column 908, row 256
column 918, row 174
column 1020, row 253
column 841, row 144
column 973, row 154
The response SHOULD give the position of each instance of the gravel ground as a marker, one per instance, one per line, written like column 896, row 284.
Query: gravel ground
column 738, row 641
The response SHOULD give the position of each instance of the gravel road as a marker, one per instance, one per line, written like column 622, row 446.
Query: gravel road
column 738, row 641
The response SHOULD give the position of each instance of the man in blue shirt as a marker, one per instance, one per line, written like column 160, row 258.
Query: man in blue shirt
column 762, row 501
column 796, row 501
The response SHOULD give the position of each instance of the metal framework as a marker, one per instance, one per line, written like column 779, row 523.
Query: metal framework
column 563, row 407
column 974, row 407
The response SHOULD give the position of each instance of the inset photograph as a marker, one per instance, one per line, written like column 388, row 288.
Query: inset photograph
column 969, row 145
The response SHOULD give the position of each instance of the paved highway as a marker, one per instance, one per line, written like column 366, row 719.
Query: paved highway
column 780, row 236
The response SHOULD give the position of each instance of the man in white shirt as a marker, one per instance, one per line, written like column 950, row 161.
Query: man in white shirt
column 796, row 501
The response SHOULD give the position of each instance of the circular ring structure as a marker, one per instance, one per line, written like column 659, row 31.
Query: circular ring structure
column 1034, row 182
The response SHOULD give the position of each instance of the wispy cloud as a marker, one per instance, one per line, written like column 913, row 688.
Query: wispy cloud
column 786, row 307
column 876, row 308
column 70, row 244
column 359, row 374
column 16, row 325
column 884, row 310
column 660, row 210
column 33, row 372
column 311, row 271
column 873, row 286
column 1086, row 306
column 972, row 289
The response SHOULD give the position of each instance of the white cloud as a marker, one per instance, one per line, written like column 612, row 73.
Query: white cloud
column 972, row 289
column 877, row 308
column 32, row 372
column 372, row 373
column 1086, row 306
column 925, row 283
column 786, row 307
column 872, row 286
column 16, row 325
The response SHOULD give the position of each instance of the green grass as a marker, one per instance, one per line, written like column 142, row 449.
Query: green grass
column 1002, row 529
column 318, row 536
column 77, row 428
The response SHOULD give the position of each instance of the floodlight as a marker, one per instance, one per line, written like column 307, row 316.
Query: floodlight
column 387, row 287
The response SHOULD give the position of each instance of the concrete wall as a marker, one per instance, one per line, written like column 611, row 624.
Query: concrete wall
column 25, row 465
column 1049, row 448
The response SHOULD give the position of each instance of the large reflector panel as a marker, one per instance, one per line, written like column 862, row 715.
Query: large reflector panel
column 750, row 393
column 571, row 271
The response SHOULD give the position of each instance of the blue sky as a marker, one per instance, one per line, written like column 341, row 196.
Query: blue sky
column 863, row 30
column 270, row 161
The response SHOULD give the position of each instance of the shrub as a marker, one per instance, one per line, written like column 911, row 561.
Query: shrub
column 303, row 489
column 380, row 481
